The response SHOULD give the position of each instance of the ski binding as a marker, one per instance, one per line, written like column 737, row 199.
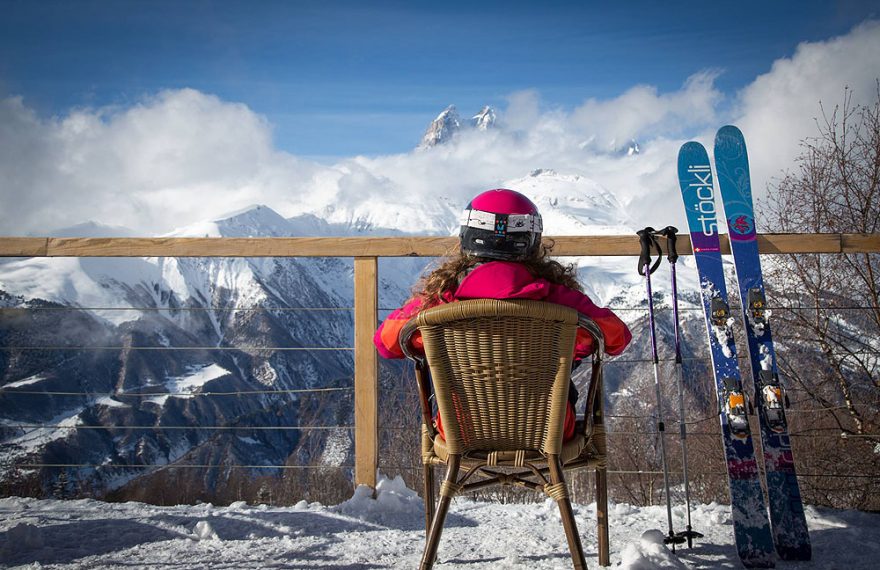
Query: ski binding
column 757, row 304
column 720, row 312
column 775, row 400
column 736, row 407
column 757, row 313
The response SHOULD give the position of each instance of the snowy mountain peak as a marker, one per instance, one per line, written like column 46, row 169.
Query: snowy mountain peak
column 442, row 129
column 253, row 221
column 632, row 148
column 92, row 230
column 572, row 204
column 448, row 123
column 247, row 210
column 484, row 120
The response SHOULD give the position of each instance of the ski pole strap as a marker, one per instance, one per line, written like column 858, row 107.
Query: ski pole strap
column 647, row 240
column 669, row 232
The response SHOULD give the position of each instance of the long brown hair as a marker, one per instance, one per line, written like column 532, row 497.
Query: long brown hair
column 451, row 271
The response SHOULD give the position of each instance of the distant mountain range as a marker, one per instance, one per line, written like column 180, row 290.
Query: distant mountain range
column 151, row 337
column 448, row 124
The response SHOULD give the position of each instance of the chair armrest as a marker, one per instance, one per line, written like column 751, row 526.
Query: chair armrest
column 422, row 372
column 595, row 332
column 406, row 333
column 593, row 406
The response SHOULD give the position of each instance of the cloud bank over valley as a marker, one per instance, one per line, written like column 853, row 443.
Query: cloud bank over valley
column 178, row 156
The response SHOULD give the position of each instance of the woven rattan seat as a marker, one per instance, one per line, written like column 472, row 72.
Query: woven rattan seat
column 500, row 373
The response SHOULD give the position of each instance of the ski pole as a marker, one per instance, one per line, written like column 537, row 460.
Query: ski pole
column 669, row 232
column 647, row 240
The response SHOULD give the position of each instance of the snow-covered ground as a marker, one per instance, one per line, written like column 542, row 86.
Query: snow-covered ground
column 385, row 532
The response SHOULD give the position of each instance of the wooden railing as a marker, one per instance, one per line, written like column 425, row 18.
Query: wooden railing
column 366, row 252
column 612, row 245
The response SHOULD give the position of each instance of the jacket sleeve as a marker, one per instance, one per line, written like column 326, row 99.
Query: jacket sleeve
column 387, row 339
column 617, row 334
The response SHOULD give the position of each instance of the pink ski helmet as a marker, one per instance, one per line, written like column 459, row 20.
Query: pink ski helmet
column 501, row 224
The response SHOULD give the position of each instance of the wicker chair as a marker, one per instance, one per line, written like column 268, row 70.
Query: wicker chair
column 500, row 371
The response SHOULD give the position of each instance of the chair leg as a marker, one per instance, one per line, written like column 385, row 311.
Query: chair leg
column 602, row 516
column 430, row 501
column 447, row 491
column 567, row 514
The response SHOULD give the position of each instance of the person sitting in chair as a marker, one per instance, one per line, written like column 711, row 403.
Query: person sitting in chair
column 502, row 257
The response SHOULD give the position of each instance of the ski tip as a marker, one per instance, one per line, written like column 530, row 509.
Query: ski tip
column 729, row 130
column 691, row 144
column 691, row 147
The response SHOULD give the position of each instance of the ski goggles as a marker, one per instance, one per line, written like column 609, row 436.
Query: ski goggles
column 502, row 224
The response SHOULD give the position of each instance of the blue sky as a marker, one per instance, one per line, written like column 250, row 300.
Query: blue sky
column 339, row 78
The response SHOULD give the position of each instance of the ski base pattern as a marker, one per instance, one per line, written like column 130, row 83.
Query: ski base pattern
column 752, row 534
column 783, row 494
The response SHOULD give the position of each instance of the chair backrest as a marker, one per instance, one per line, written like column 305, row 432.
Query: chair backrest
column 500, row 370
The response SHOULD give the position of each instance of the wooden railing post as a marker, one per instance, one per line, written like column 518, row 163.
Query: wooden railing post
column 366, row 372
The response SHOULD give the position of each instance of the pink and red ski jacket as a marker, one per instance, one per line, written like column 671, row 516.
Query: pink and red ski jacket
column 511, row 280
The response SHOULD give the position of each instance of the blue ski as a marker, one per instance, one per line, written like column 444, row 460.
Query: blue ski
column 754, row 541
column 783, row 494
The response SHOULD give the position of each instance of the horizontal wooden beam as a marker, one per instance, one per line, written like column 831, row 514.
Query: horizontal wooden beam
column 860, row 243
column 603, row 245
column 24, row 247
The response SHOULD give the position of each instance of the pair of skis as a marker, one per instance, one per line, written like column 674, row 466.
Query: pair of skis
column 755, row 538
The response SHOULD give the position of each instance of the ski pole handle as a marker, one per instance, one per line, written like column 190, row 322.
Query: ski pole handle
column 646, row 240
column 669, row 232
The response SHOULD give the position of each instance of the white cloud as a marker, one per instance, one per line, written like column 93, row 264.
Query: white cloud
column 778, row 109
column 184, row 156
column 174, row 158
column 523, row 111
column 642, row 112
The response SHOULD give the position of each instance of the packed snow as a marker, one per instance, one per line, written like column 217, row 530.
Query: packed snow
column 197, row 376
column 28, row 439
column 387, row 532
column 26, row 382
